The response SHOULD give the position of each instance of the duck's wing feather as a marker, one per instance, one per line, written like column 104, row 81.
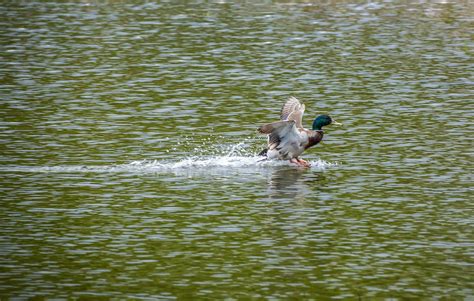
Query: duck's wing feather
column 280, row 132
column 293, row 109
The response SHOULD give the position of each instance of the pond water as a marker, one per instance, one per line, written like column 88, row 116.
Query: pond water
column 128, row 143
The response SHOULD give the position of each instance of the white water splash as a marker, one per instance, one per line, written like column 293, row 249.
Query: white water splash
column 209, row 162
column 220, row 157
column 157, row 166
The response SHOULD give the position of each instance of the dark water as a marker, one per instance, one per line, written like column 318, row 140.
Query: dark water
column 128, row 142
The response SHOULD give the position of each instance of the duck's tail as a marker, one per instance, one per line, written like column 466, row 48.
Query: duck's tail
column 263, row 153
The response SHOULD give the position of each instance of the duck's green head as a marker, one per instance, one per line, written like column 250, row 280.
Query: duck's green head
column 323, row 120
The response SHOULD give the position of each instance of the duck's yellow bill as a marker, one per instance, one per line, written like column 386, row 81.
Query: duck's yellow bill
column 335, row 122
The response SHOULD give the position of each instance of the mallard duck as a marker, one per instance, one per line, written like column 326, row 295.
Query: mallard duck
column 287, row 138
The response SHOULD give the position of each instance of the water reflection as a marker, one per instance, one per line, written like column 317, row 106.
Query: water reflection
column 285, row 184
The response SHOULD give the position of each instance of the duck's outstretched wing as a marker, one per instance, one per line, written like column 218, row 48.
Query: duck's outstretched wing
column 280, row 133
column 293, row 109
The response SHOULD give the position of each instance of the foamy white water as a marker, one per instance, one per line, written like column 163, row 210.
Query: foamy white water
column 157, row 166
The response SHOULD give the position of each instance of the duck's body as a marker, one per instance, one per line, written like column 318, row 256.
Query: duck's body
column 287, row 138
column 286, row 141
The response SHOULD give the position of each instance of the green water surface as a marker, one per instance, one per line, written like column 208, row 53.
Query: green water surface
column 128, row 136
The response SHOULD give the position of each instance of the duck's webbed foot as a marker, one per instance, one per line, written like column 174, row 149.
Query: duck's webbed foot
column 303, row 162
column 300, row 162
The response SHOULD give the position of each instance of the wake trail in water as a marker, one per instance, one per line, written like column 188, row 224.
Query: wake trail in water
column 158, row 166
column 234, row 156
